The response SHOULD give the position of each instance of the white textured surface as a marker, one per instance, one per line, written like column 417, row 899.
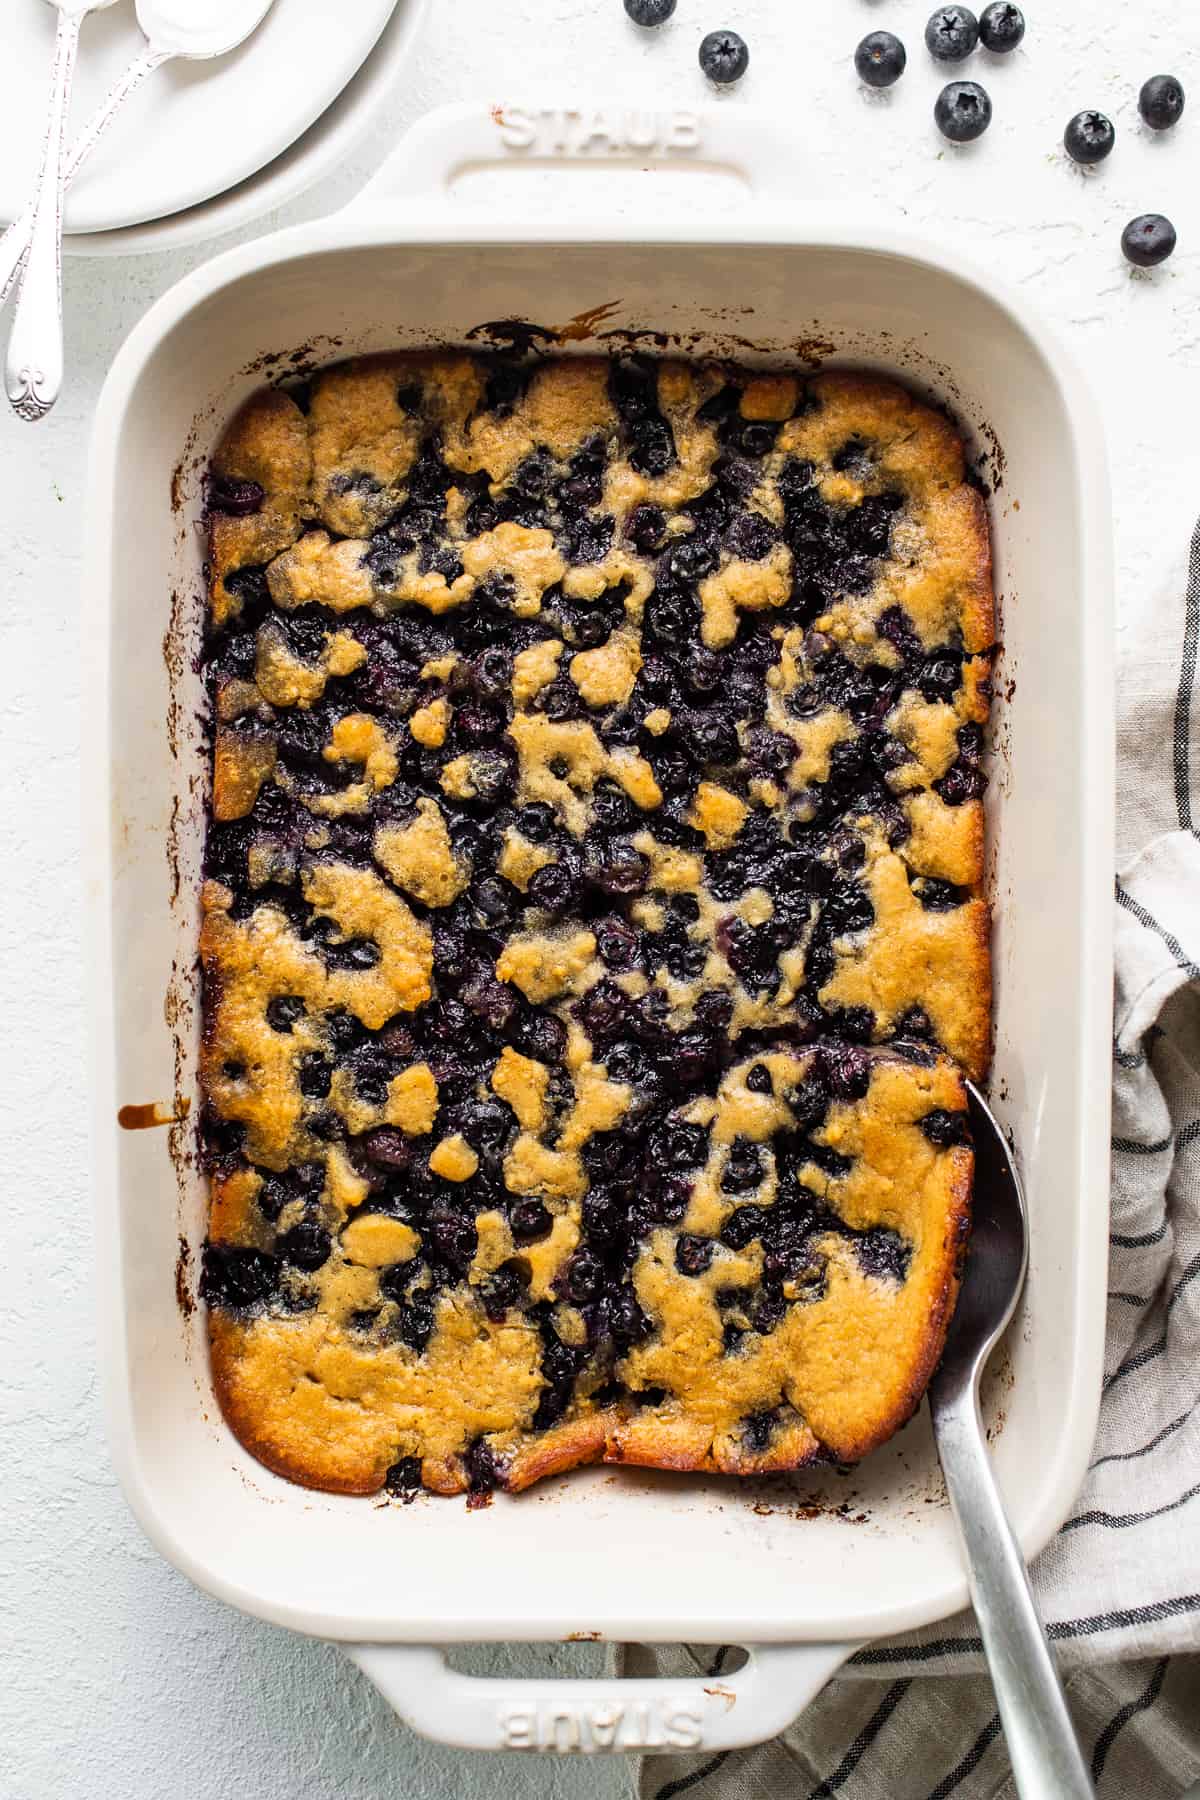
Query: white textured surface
column 122, row 1681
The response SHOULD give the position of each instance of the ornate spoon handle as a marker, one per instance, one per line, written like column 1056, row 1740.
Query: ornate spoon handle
column 33, row 369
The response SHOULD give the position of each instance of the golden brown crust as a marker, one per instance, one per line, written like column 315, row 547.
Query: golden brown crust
column 676, row 867
column 266, row 445
column 323, row 1460
column 584, row 1440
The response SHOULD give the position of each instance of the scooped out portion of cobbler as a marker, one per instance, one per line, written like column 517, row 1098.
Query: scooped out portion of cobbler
column 593, row 932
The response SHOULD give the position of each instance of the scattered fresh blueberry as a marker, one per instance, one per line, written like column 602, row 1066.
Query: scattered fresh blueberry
column 952, row 33
column 724, row 57
column 1001, row 27
column 962, row 112
column 1161, row 102
column 649, row 12
column 1148, row 240
column 1089, row 137
column 880, row 59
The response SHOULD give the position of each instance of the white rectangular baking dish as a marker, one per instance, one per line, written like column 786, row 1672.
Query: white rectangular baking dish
column 830, row 1560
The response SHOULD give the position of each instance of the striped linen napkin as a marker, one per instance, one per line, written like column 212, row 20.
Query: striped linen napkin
column 1120, row 1584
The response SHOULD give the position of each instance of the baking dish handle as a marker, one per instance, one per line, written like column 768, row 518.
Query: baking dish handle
column 419, row 177
column 635, row 1715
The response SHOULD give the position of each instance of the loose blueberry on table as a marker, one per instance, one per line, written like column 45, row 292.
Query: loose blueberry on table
column 650, row 12
column 951, row 33
column 1148, row 240
column 1001, row 27
column 1161, row 102
column 880, row 59
column 962, row 111
column 586, row 741
column 1089, row 137
column 724, row 57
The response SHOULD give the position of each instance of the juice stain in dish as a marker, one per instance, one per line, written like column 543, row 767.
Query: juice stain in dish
column 593, row 928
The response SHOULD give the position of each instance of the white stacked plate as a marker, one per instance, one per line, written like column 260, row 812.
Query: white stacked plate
column 202, row 147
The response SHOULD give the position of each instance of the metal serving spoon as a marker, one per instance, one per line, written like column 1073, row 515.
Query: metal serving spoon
column 1046, row 1759
column 33, row 368
column 195, row 29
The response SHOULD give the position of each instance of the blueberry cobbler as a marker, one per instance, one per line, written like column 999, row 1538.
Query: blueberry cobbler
column 593, row 938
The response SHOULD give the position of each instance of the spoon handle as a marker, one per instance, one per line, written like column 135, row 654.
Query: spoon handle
column 122, row 89
column 33, row 369
column 1046, row 1759
column 15, row 242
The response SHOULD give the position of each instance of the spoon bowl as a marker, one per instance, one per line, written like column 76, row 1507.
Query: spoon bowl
column 998, row 1258
column 196, row 29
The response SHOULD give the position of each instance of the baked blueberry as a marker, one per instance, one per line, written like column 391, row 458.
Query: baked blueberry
column 540, row 1035
column 944, row 1128
column 628, row 1322
column 880, row 59
column 650, row 12
column 744, row 1224
column 651, row 446
column 646, row 529
column 848, row 1070
column 415, row 1322
column 388, row 1148
column 962, row 111
column 306, row 1245
column 1001, row 27
column 724, row 57
column 283, row 1012
column 680, row 1145
column 529, row 1221
column 1161, row 102
column 743, row 1169
column 584, row 1277
column 883, row 1254
column 315, row 1075
column 692, row 1254
column 1089, row 137
column 951, row 33
column 1148, row 240
column 404, row 1476
column 554, row 887
column 235, row 1277
column 537, row 822
column 240, row 499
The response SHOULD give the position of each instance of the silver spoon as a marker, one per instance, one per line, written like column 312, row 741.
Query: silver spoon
column 195, row 29
column 33, row 368
column 1046, row 1759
